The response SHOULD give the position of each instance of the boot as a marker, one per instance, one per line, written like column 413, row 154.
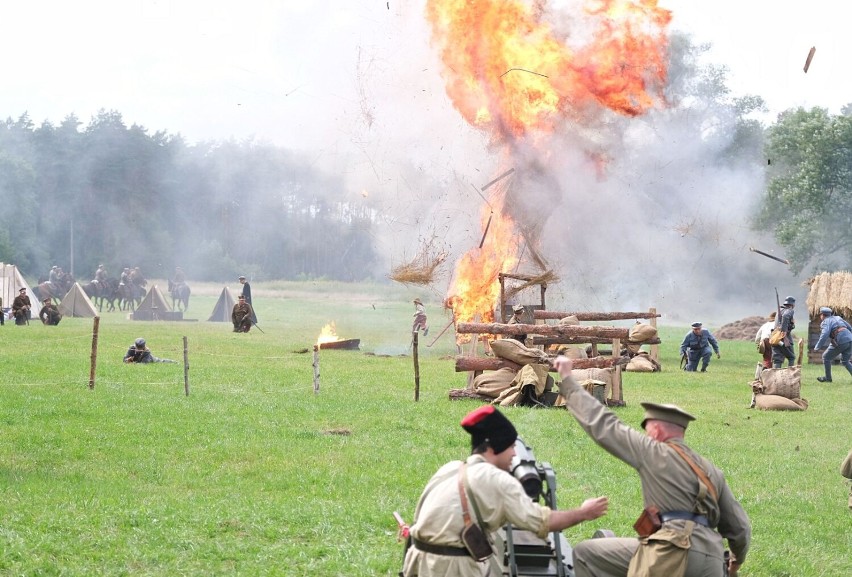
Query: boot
column 824, row 379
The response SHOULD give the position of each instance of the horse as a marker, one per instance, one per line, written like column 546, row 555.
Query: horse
column 102, row 291
column 180, row 295
column 128, row 296
column 56, row 290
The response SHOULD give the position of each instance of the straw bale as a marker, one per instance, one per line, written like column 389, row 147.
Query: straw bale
column 831, row 289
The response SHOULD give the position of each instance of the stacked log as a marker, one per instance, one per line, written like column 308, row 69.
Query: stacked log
column 618, row 316
column 465, row 363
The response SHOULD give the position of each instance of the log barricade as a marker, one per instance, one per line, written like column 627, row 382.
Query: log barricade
column 464, row 363
column 547, row 334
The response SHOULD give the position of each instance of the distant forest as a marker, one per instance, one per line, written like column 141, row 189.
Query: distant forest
column 113, row 194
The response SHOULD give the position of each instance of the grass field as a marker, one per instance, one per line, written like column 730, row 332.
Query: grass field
column 255, row 474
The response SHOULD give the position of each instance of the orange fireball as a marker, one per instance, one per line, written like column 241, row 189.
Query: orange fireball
column 510, row 73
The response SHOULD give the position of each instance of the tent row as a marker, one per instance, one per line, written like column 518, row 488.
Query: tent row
column 76, row 303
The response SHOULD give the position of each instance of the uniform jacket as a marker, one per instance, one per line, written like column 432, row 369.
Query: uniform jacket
column 830, row 328
column 668, row 482
column 438, row 521
column 134, row 355
column 699, row 342
column 20, row 302
column 240, row 311
column 786, row 323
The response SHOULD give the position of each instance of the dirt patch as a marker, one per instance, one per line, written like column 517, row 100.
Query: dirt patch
column 741, row 330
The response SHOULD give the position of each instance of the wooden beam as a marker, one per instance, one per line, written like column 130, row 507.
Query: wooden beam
column 590, row 316
column 465, row 363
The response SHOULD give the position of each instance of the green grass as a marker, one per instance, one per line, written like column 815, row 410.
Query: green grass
column 250, row 474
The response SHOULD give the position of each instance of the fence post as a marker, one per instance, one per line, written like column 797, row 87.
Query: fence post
column 185, row 367
column 94, row 358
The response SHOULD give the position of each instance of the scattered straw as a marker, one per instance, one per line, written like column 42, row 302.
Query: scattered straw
column 423, row 269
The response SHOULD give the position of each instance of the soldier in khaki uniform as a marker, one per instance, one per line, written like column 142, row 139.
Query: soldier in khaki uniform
column 436, row 546
column 241, row 316
column 668, row 482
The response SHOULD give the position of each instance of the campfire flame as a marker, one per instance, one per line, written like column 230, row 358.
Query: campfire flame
column 510, row 74
column 328, row 334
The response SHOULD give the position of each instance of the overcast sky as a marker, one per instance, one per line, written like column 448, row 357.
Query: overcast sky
column 356, row 86
column 310, row 74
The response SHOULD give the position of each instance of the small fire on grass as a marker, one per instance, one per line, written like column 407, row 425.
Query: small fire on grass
column 328, row 334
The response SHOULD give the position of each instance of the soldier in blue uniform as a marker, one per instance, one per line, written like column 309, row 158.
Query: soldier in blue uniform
column 838, row 334
column 784, row 349
column 698, row 344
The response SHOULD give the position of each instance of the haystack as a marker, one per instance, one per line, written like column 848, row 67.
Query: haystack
column 831, row 289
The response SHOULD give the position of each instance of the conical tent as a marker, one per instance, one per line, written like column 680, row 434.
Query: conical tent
column 153, row 307
column 11, row 281
column 224, row 307
column 77, row 303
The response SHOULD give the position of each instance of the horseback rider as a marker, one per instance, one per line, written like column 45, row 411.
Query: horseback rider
column 180, row 277
column 100, row 274
column 125, row 277
column 54, row 275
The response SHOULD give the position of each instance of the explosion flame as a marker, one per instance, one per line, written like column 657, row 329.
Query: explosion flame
column 509, row 72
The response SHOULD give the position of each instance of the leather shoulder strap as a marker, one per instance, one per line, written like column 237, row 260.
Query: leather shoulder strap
column 463, row 496
column 702, row 476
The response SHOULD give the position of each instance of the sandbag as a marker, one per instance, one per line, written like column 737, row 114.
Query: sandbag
column 570, row 321
column 642, row 363
column 786, row 382
column 779, row 403
column 492, row 383
column 535, row 376
column 846, row 467
column 606, row 376
column 570, row 351
column 640, row 333
column 518, row 353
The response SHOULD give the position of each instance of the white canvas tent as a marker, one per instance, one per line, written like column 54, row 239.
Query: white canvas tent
column 153, row 307
column 11, row 281
column 224, row 307
column 77, row 303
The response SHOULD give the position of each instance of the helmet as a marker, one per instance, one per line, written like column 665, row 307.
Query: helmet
column 789, row 301
column 140, row 343
column 825, row 311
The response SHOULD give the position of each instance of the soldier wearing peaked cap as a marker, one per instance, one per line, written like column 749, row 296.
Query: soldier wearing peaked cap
column 436, row 548
column 517, row 319
column 697, row 508
column 420, row 323
column 785, row 322
column 837, row 333
column 699, row 345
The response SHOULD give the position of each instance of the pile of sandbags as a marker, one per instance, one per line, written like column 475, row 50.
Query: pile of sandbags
column 778, row 389
column 528, row 386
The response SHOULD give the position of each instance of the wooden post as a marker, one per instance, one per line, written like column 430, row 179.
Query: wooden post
column 94, row 358
column 616, row 381
column 185, row 367
column 316, row 369
column 416, row 367
column 655, row 349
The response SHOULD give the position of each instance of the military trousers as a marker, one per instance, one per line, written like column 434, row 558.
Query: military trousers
column 844, row 350
column 781, row 352
column 610, row 557
column 693, row 356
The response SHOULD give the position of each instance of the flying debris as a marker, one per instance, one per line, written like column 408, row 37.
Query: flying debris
column 766, row 254
column 810, row 57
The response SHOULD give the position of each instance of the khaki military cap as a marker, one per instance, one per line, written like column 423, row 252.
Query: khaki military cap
column 669, row 413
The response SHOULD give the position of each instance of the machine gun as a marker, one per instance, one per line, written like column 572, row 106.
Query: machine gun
column 525, row 553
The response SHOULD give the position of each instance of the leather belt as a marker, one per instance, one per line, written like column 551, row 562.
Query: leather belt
column 673, row 515
column 440, row 549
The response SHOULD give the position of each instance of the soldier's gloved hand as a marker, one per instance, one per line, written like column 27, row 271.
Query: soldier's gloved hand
column 718, row 355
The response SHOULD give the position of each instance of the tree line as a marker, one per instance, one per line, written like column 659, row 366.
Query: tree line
column 119, row 195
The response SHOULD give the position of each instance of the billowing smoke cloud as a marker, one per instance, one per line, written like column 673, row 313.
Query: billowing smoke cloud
column 629, row 212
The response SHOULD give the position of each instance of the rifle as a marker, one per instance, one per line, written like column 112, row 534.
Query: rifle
column 257, row 327
column 778, row 304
